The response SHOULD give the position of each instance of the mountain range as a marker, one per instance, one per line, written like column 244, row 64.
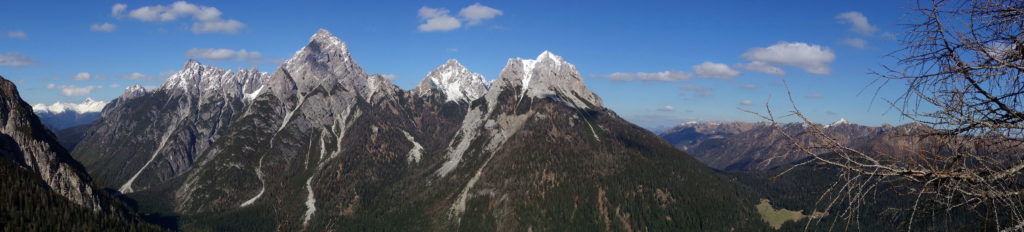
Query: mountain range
column 319, row 144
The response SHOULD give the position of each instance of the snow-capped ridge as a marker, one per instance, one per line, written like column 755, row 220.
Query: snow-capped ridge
column 197, row 78
column 87, row 106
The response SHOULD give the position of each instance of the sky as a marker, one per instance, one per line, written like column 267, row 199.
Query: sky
column 656, row 63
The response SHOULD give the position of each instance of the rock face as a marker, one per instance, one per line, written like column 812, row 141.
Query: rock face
column 325, row 146
column 25, row 141
column 144, row 138
column 61, row 115
column 745, row 146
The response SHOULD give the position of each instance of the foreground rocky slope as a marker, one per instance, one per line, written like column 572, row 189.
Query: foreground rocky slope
column 323, row 145
column 45, row 189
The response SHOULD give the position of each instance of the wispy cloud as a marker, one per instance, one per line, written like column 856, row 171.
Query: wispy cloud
column 666, row 76
column 103, row 27
column 855, row 42
column 697, row 90
column 205, row 19
column 17, row 34
column 746, row 102
column 750, row 86
column 16, row 60
column 222, row 54
column 667, row 108
column 703, row 70
column 858, row 22
column 82, row 76
column 118, row 9
column 139, row 77
column 72, row 90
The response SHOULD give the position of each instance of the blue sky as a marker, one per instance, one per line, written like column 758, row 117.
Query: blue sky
column 825, row 49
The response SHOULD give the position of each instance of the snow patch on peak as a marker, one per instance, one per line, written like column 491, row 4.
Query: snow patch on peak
column 87, row 106
column 841, row 121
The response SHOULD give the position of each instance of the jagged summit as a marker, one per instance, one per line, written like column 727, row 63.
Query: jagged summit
column 548, row 75
column 197, row 78
column 190, row 75
column 455, row 81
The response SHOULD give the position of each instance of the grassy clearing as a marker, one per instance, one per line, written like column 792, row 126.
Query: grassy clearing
column 776, row 217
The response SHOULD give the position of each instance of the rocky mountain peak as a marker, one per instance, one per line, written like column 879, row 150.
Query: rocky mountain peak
column 455, row 81
column 548, row 75
column 325, row 59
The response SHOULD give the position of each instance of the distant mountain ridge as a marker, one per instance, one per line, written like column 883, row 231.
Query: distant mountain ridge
column 747, row 145
column 61, row 115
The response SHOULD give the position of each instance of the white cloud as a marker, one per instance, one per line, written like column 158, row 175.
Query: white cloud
column 759, row 66
column 697, row 90
column 809, row 57
column 746, row 102
column 82, row 76
column 16, row 60
column 138, row 76
column 205, row 19
column 476, row 13
column 437, row 20
column 72, row 90
column 118, row 9
column 103, row 27
column 667, row 108
column 17, row 34
column 858, row 22
column 229, row 26
column 855, row 42
column 715, row 70
column 222, row 54
column 667, row 76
